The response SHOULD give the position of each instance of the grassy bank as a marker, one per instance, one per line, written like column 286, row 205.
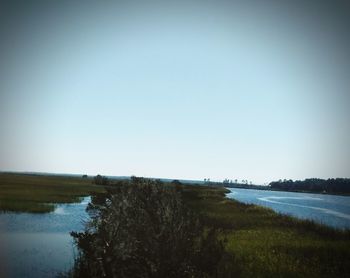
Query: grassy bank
column 37, row 193
column 267, row 244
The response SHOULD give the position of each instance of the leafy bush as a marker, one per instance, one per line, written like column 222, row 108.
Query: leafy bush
column 142, row 228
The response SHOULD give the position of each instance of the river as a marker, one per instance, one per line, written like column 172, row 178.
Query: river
column 39, row 245
column 331, row 210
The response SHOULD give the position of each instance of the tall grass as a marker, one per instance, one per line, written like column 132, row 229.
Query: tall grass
column 268, row 244
column 38, row 194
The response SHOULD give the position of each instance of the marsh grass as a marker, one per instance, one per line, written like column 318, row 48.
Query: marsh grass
column 39, row 194
column 268, row 244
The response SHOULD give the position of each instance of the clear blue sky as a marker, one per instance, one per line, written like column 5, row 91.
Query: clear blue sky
column 193, row 89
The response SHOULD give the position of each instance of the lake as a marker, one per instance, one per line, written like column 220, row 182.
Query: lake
column 39, row 245
column 332, row 210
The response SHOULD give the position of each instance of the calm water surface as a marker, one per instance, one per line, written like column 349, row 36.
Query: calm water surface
column 331, row 210
column 39, row 245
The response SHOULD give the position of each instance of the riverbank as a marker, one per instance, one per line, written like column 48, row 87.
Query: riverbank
column 330, row 210
column 268, row 244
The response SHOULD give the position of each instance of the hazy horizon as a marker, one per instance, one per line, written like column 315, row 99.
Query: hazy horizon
column 253, row 90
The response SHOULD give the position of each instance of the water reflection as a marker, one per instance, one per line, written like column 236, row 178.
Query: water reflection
column 39, row 245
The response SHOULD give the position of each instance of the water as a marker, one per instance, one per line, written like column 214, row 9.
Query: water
column 39, row 245
column 331, row 210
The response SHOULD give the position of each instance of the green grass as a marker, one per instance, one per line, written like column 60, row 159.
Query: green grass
column 38, row 194
column 268, row 244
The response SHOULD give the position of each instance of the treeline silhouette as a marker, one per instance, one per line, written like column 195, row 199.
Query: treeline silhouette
column 338, row 185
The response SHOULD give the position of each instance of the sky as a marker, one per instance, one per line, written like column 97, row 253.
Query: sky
column 255, row 90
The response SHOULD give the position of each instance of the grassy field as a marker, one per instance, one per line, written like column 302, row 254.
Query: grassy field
column 34, row 193
column 267, row 244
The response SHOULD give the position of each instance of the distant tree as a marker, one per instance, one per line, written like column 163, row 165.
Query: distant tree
column 338, row 185
column 101, row 180
column 84, row 176
column 207, row 181
column 177, row 184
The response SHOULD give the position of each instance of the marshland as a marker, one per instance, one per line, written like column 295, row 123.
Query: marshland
column 149, row 228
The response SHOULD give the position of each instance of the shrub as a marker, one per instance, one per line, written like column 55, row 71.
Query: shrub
column 143, row 229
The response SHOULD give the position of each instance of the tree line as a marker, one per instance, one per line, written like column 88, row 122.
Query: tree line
column 338, row 185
